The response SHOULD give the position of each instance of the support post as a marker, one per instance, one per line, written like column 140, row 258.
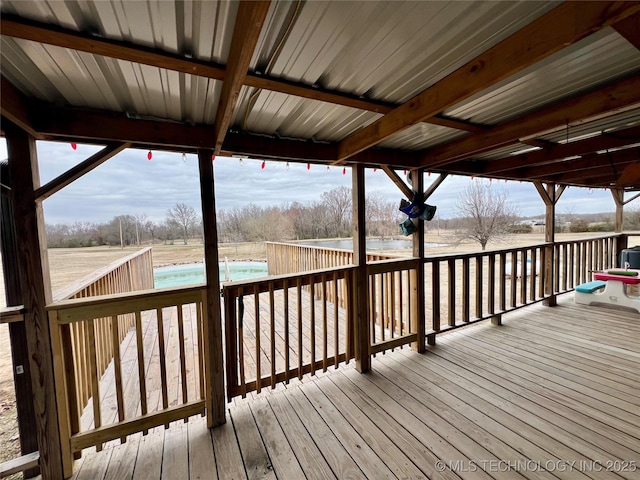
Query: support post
column 417, row 289
column 36, row 293
column 550, row 195
column 17, row 332
column 360, row 299
column 618, row 199
column 213, row 320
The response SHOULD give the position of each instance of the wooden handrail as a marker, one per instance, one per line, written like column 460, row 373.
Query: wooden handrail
column 12, row 314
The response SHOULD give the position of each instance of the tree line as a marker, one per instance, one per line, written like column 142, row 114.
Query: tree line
column 329, row 217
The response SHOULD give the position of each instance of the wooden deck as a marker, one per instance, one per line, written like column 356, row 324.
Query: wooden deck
column 553, row 393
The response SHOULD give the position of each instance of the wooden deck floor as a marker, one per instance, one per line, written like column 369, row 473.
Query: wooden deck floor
column 553, row 393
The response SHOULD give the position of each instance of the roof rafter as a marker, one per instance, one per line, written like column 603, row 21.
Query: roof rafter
column 621, row 96
column 53, row 35
column 591, row 161
column 557, row 152
column 249, row 21
column 539, row 39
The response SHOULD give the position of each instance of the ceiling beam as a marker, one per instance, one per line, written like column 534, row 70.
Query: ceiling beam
column 588, row 162
column 16, row 107
column 629, row 28
column 79, row 170
column 547, row 35
column 557, row 152
column 397, row 180
column 249, row 21
column 618, row 97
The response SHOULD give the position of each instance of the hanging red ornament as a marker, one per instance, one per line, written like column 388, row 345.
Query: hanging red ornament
column 344, row 171
column 149, row 155
column 74, row 146
column 375, row 170
column 428, row 174
column 213, row 157
column 264, row 164
column 308, row 166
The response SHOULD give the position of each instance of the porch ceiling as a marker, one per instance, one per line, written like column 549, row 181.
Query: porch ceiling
column 457, row 87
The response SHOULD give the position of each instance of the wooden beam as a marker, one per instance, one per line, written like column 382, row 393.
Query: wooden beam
column 36, row 293
column 544, row 36
column 618, row 199
column 557, row 152
column 213, row 340
column 621, row 96
column 590, row 161
column 249, row 21
column 20, row 464
column 629, row 28
column 79, row 170
column 434, row 186
column 395, row 178
column 16, row 107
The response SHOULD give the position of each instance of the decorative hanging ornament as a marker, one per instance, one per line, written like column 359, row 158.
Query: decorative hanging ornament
column 308, row 166
column 74, row 146
column 375, row 170
column 287, row 165
column 405, row 172
column 184, row 157
column 241, row 162
column 344, row 171
column 428, row 174
column 264, row 164
column 213, row 157
column 328, row 168
column 149, row 155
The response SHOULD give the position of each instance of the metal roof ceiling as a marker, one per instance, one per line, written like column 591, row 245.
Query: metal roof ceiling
column 386, row 52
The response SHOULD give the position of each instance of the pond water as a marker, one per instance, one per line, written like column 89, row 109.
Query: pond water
column 188, row 274
column 372, row 244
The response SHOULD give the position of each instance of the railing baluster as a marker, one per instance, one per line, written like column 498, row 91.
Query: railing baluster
column 241, row 354
column 523, row 276
column 503, row 281
column 534, row 272
column 287, row 364
column 435, row 289
column 312, row 320
column 141, row 376
column 324, row 322
column 336, row 330
column 479, row 281
column 491, row 284
column 163, row 360
column 299, row 292
column 272, row 321
column 452, row 292
column 465, row 289
column 117, row 367
column 256, row 301
column 95, row 387
column 183, row 359
column 514, row 278
column 200, row 349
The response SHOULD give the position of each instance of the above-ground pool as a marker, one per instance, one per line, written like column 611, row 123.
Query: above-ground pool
column 188, row 274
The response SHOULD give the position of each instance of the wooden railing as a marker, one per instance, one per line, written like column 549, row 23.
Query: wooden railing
column 285, row 326
column 158, row 376
column 128, row 274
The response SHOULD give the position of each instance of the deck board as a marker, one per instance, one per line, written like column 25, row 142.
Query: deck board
column 550, row 385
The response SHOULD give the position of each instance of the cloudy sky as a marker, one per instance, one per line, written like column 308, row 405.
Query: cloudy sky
column 131, row 184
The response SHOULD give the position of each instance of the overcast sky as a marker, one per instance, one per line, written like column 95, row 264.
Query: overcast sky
column 131, row 184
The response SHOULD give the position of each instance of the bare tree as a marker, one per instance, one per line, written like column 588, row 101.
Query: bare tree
column 338, row 202
column 184, row 216
column 486, row 213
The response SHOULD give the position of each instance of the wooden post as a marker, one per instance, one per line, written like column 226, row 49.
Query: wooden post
column 213, row 321
column 618, row 198
column 417, row 290
column 360, row 299
column 550, row 196
column 17, row 333
column 36, row 293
